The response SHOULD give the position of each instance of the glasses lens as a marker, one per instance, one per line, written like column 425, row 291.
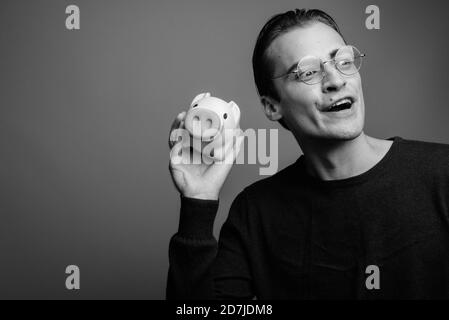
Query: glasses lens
column 309, row 70
column 348, row 60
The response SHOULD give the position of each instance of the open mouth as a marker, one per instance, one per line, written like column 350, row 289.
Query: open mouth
column 340, row 105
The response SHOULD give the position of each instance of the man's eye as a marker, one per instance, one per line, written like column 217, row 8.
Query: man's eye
column 307, row 74
column 345, row 63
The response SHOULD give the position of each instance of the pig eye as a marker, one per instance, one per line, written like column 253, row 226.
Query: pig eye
column 225, row 115
column 195, row 105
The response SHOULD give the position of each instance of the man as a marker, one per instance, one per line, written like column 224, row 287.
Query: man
column 354, row 217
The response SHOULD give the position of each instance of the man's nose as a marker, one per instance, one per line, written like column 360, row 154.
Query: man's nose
column 333, row 80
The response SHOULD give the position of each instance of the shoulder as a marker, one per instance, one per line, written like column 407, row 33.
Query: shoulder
column 426, row 161
column 266, row 188
column 428, row 154
column 259, row 198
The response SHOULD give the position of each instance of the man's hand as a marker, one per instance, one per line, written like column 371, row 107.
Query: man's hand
column 200, row 181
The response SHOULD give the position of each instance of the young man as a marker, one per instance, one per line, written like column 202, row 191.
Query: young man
column 354, row 217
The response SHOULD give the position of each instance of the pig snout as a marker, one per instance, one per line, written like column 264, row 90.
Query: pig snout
column 202, row 123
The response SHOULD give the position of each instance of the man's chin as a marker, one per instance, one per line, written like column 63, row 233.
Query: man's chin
column 340, row 132
column 341, row 135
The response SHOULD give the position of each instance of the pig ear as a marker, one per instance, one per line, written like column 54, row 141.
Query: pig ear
column 235, row 111
column 199, row 97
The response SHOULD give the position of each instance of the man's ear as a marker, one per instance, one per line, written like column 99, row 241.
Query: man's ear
column 271, row 108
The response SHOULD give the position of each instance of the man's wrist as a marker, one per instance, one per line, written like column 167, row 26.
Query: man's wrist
column 197, row 217
column 202, row 196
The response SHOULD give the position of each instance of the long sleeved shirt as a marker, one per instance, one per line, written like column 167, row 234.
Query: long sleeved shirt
column 383, row 234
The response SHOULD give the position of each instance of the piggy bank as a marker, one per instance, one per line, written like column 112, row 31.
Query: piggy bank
column 212, row 122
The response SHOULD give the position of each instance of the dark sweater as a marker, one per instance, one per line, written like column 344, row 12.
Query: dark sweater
column 292, row 236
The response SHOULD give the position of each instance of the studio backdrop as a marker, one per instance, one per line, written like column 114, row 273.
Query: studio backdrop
column 86, row 107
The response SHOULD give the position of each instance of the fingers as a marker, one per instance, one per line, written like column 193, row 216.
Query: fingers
column 177, row 123
column 177, row 173
column 233, row 149
column 221, row 169
column 176, row 155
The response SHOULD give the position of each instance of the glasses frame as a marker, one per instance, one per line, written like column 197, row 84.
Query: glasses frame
column 322, row 63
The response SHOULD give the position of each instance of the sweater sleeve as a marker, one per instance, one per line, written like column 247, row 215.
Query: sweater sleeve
column 202, row 268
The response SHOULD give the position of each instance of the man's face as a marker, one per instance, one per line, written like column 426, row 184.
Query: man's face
column 304, row 107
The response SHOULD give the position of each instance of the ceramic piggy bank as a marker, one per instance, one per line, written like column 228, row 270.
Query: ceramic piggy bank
column 210, row 122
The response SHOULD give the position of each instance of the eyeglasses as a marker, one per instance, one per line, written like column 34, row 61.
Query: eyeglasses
column 310, row 69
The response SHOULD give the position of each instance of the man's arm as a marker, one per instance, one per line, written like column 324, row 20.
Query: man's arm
column 192, row 251
column 199, row 267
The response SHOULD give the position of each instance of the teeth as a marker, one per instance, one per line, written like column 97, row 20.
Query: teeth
column 339, row 102
column 346, row 100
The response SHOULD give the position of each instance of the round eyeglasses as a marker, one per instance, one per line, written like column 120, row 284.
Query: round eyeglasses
column 310, row 69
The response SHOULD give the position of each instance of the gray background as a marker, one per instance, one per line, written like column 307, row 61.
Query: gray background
column 84, row 119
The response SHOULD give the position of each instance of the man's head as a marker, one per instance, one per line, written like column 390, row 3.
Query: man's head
column 303, row 108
